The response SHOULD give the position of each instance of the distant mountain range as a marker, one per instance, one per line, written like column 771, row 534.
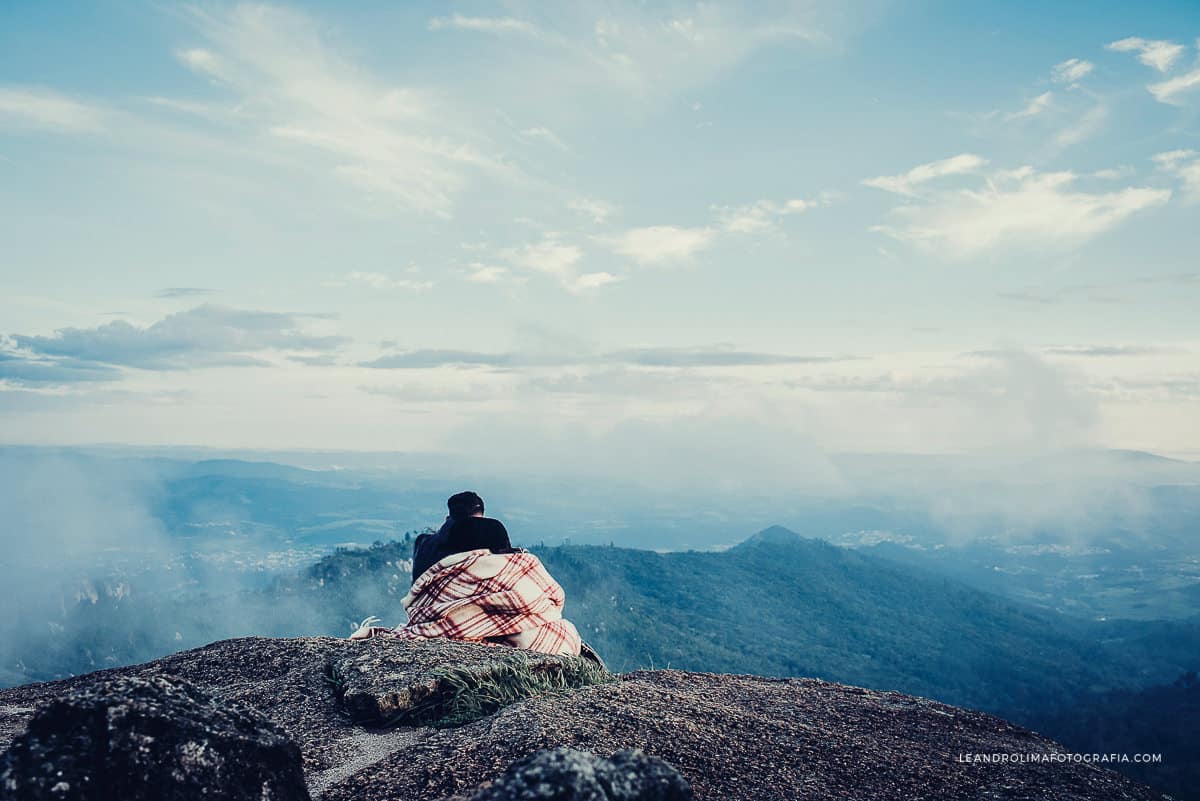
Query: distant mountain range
column 1020, row 588
column 777, row 604
column 783, row 605
column 1135, row 500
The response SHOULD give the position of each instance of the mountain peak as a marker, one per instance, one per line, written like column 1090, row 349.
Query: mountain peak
column 735, row 738
column 776, row 535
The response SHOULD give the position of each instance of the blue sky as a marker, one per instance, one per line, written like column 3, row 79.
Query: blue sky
column 769, row 228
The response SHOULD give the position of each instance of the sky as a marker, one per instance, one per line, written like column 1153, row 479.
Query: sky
column 612, row 232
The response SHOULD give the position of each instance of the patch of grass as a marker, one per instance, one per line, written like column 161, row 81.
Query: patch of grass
column 336, row 681
column 469, row 693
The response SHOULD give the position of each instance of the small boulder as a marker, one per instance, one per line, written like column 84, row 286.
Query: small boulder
column 567, row 774
column 158, row 738
column 441, row 682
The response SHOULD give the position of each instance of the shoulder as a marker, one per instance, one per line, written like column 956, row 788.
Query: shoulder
column 496, row 533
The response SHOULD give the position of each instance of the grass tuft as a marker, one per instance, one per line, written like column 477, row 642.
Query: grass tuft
column 469, row 693
column 336, row 681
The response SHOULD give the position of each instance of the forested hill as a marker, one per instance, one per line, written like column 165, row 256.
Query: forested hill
column 1164, row 719
column 782, row 605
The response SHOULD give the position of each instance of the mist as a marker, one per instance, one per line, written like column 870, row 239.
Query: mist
column 1008, row 447
column 94, row 577
column 117, row 554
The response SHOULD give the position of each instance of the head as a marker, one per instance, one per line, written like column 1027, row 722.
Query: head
column 477, row 531
column 465, row 504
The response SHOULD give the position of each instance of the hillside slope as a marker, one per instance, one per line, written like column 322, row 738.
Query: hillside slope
column 1164, row 719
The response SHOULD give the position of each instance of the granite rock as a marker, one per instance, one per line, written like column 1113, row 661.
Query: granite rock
column 150, row 739
column 732, row 738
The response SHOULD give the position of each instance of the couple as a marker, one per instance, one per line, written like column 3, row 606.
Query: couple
column 469, row 583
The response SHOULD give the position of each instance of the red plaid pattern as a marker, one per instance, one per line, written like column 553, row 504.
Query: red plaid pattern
column 486, row 597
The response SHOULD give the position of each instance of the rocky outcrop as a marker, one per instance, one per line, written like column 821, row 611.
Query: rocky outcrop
column 566, row 774
column 150, row 739
column 731, row 737
column 447, row 683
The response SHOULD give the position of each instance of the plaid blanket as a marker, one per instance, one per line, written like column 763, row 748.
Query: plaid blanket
column 485, row 597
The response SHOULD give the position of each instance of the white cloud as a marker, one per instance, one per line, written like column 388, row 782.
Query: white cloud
column 1160, row 55
column 487, row 273
column 1172, row 158
column 1114, row 173
column 750, row 219
column 200, row 60
column 588, row 281
column 403, row 145
column 1166, row 91
column 550, row 256
column 1071, row 71
column 38, row 108
column 1184, row 164
column 1154, row 53
column 380, row 281
column 1084, row 128
column 493, row 25
column 598, row 210
column 661, row 244
column 1035, row 107
column 544, row 135
column 1020, row 207
column 907, row 183
column 763, row 215
column 641, row 50
column 649, row 50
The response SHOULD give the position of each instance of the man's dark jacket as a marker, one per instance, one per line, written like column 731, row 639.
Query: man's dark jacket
column 457, row 536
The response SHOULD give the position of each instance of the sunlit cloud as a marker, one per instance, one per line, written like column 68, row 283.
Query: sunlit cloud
column 543, row 134
column 487, row 273
column 909, row 182
column 763, row 215
column 1071, row 71
column 1169, row 91
column 658, row 245
column 1185, row 165
column 598, row 211
column 550, row 256
column 374, row 280
column 1034, row 107
column 492, row 25
column 1155, row 53
column 1022, row 207
column 46, row 110
column 391, row 140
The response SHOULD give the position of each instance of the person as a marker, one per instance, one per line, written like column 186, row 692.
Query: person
column 465, row 529
column 470, row 584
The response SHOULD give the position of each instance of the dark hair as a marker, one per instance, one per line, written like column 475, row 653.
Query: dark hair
column 464, row 504
column 471, row 533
